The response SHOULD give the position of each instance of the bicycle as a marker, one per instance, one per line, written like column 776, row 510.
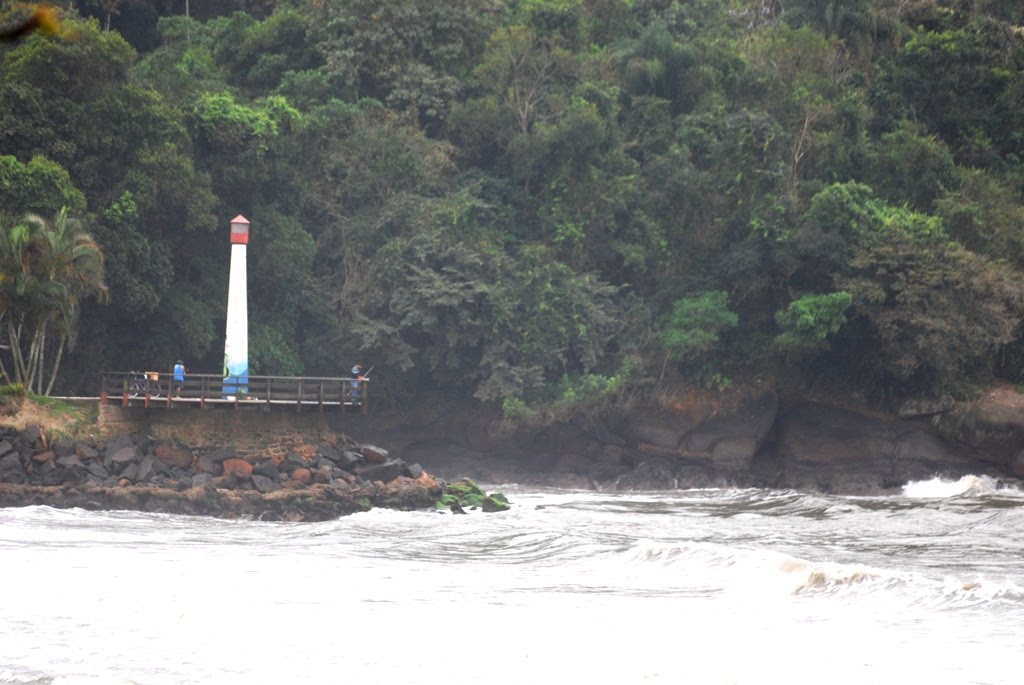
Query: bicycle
column 144, row 383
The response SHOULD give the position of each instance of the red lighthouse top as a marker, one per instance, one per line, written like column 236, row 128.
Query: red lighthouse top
column 240, row 230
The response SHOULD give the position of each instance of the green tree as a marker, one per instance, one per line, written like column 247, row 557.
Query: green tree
column 695, row 326
column 410, row 55
column 807, row 322
column 931, row 313
column 47, row 269
column 39, row 187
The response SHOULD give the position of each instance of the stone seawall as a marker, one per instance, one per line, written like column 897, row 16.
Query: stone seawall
column 140, row 472
column 252, row 431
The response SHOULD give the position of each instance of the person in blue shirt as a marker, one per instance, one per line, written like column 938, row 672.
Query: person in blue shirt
column 357, row 378
column 179, row 377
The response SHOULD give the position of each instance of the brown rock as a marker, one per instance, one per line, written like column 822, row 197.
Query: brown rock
column 124, row 455
column 42, row 456
column 237, row 466
column 210, row 466
column 374, row 454
column 302, row 476
column 426, row 480
column 175, row 456
column 84, row 452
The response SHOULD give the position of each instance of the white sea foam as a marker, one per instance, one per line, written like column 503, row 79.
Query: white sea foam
column 757, row 570
column 10, row 678
column 91, row 680
column 826, row 577
column 562, row 577
column 940, row 488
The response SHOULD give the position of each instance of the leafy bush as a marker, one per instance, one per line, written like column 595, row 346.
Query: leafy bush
column 807, row 322
column 696, row 323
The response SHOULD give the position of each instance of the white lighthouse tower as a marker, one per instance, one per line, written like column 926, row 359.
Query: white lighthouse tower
column 236, row 342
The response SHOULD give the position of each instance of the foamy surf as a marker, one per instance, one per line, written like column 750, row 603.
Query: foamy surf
column 10, row 678
column 758, row 570
column 941, row 488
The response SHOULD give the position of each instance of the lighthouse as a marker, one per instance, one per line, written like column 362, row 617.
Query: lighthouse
column 236, row 340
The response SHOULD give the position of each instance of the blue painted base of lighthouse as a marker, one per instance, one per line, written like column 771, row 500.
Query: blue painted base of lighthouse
column 236, row 382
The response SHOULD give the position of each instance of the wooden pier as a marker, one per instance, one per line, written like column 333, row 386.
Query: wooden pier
column 155, row 389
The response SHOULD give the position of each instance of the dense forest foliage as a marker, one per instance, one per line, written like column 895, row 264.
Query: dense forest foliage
column 536, row 203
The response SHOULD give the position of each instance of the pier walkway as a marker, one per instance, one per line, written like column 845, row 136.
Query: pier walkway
column 155, row 390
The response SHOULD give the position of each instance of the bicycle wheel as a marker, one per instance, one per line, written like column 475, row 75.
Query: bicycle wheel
column 136, row 389
column 154, row 389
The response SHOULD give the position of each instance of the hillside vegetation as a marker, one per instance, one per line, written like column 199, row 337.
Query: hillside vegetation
column 537, row 203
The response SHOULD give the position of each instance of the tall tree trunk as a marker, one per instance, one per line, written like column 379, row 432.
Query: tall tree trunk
column 40, row 370
column 56, row 364
column 14, row 335
column 33, row 360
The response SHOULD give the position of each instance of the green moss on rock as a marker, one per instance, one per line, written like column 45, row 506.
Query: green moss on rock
column 465, row 493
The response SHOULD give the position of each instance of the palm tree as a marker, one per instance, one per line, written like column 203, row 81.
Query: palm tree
column 46, row 270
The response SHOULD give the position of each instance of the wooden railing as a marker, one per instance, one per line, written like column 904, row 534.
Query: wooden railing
column 157, row 389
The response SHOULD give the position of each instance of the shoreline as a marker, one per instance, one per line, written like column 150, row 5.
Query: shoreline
column 317, row 472
column 309, row 482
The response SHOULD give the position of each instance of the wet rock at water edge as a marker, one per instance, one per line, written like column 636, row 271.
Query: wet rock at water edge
column 465, row 494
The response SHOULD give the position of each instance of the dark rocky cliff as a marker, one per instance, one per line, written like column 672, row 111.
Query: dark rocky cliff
column 748, row 439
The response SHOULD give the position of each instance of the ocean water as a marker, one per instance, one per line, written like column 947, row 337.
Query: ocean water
column 694, row 586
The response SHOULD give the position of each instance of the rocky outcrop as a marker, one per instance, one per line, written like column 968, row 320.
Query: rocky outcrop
column 138, row 473
column 833, row 449
column 992, row 426
column 743, row 439
column 699, row 429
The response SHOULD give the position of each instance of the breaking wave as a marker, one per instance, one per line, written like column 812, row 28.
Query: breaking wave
column 967, row 486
